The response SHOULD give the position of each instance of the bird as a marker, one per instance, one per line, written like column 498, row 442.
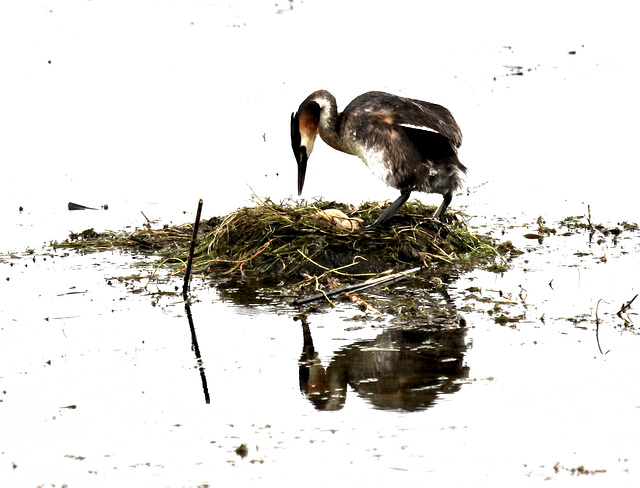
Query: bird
column 410, row 144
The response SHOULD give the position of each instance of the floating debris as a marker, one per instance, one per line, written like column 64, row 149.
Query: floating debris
column 76, row 206
column 242, row 450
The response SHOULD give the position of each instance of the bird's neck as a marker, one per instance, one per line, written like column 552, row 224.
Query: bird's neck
column 329, row 122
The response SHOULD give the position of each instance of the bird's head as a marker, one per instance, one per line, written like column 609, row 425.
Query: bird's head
column 305, row 125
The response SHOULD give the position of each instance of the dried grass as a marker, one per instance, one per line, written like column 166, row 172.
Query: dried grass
column 285, row 240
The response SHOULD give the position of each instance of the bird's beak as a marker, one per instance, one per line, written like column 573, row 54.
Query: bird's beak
column 302, row 168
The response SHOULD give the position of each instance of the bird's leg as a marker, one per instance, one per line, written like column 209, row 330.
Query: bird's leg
column 391, row 210
column 446, row 200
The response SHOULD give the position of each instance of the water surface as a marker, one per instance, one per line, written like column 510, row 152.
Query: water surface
column 500, row 379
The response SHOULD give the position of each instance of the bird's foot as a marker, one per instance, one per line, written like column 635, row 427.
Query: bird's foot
column 369, row 229
column 443, row 228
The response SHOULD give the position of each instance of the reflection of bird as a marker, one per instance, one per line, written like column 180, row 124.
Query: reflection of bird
column 406, row 369
column 410, row 144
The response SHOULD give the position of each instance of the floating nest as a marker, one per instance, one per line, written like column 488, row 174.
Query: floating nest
column 282, row 241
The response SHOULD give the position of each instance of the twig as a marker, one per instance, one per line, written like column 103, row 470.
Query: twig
column 592, row 229
column 322, row 292
column 141, row 241
column 598, row 326
column 336, row 270
column 187, row 274
column 242, row 262
column 359, row 286
column 256, row 195
column 624, row 308
column 361, row 303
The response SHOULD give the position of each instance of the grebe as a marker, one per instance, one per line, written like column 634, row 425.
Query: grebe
column 410, row 144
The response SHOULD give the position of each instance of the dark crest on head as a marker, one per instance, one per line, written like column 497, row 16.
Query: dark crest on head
column 295, row 132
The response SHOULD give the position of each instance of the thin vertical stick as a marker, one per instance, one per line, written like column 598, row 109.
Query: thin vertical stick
column 598, row 326
column 187, row 275
column 196, row 349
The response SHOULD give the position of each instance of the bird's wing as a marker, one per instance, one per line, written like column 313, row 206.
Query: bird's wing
column 428, row 116
column 399, row 111
column 391, row 113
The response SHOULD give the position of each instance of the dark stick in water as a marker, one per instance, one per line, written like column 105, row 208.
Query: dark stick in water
column 187, row 275
column 359, row 286
column 196, row 349
column 185, row 290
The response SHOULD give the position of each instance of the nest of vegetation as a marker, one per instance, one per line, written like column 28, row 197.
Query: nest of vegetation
column 272, row 240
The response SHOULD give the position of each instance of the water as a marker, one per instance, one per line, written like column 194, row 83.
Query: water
column 148, row 108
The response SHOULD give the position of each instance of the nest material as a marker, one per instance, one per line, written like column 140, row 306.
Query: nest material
column 285, row 240
column 272, row 240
